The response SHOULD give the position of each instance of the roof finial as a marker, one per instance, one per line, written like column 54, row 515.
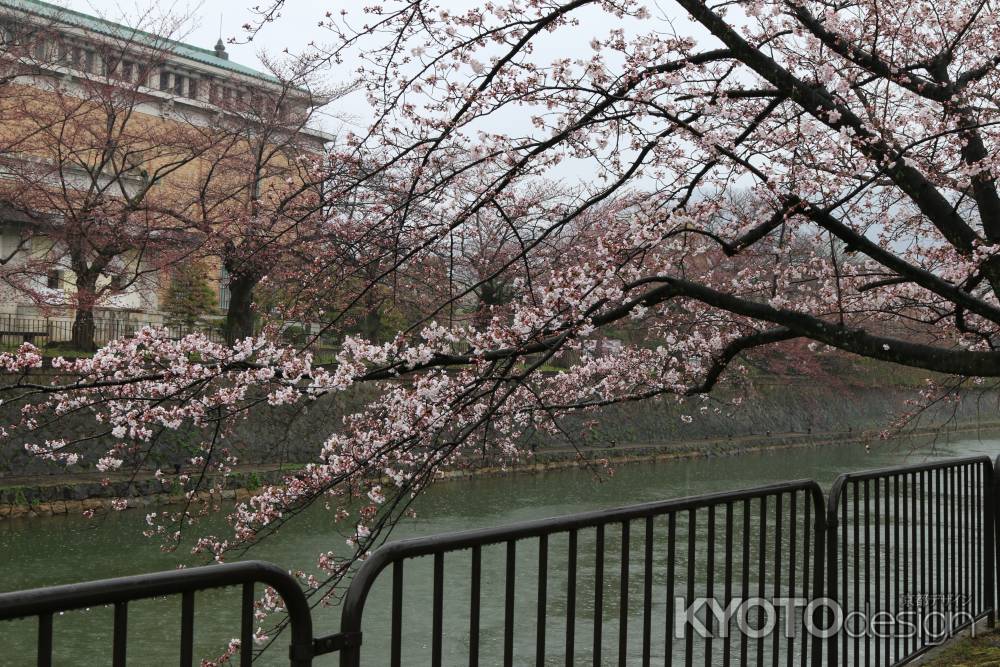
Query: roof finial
column 220, row 47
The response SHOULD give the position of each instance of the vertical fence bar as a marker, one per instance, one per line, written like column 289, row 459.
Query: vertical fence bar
column 508, row 614
column 980, row 526
column 710, row 583
column 856, row 564
column 728, row 592
column 837, row 500
column 246, row 626
column 45, row 640
column 623, row 597
column 792, row 536
column 745, row 578
column 877, row 563
column 957, row 587
column 868, row 560
column 816, row 532
column 437, row 610
column 778, row 521
column 952, row 545
column 897, row 552
column 689, row 578
column 598, row 595
column 396, row 623
column 966, row 541
column 939, row 556
column 989, row 543
column 187, row 629
column 671, row 549
column 820, row 537
column 647, row 593
column 571, row 600
column 955, row 549
column 844, row 599
column 474, row 602
column 926, row 559
column 761, row 576
column 120, row 640
column 973, row 535
column 926, row 553
column 909, row 545
column 891, row 587
column 543, row 582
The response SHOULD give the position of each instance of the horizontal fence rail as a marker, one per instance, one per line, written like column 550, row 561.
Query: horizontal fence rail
column 630, row 563
column 911, row 544
column 617, row 586
column 59, row 331
column 47, row 603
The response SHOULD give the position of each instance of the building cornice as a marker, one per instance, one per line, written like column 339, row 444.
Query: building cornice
column 44, row 13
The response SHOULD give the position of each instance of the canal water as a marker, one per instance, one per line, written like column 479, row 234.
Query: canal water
column 57, row 550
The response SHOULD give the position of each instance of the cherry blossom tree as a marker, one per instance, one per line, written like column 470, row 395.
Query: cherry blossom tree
column 260, row 204
column 86, row 167
column 862, row 139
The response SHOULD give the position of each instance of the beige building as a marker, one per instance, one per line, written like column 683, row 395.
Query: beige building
column 175, row 89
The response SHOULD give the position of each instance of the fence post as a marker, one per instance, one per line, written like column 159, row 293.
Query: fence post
column 832, row 541
column 820, row 550
column 990, row 500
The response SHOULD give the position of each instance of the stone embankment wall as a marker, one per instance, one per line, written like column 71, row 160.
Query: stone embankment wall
column 779, row 412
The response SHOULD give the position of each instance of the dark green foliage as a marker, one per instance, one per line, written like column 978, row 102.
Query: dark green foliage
column 190, row 297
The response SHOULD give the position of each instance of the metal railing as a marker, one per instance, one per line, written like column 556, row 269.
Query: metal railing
column 46, row 603
column 695, row 540
column 915, row 540
column 882, row 540
column 61, row 331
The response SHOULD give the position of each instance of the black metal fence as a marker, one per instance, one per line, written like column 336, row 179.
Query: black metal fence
column 63, row 332
column 757, row 542
column 885, row 540
column 916, row 542
column 48, row 603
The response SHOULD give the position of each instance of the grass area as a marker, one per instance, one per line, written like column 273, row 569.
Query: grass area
column 68, row 352
column 980, row 651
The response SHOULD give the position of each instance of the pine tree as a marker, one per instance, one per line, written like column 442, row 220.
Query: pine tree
column 189, row 297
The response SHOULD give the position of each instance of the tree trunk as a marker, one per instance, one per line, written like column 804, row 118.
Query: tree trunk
column 83, row 328
column 83, row 323
column 371, row 321
column 239, row 317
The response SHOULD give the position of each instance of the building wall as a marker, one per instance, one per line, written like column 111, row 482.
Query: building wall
column 176, row 100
